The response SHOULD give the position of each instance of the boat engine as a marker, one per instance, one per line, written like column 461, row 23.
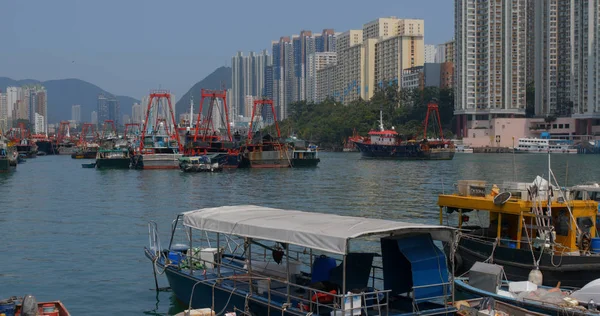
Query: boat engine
column 30, row 307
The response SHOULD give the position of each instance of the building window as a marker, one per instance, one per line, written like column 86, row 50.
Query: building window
column 567, row 125
column 553, row 125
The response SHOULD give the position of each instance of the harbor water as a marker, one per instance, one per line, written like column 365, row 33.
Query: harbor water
column 77, row 235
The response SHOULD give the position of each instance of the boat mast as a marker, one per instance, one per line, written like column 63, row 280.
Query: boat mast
column 191, row 109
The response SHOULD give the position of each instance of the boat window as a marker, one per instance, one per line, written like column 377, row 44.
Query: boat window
column 563, row 223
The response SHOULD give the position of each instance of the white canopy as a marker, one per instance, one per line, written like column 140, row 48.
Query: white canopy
column 325, row 232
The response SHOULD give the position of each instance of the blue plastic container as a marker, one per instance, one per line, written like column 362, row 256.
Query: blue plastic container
column 321, row 268
column 7, row 308
column 175, row 257
column 596, row 245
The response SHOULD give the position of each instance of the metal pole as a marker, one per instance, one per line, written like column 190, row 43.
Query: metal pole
column 218, row 255
column 344, row 285
column 191, row 254
column 287, row 268
column 248, row 245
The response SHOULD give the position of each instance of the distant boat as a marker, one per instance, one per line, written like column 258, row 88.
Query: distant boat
column 387, row 144
column 303, row 155
column 545, row 145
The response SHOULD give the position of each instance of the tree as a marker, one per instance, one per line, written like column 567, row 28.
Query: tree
column 530, row 100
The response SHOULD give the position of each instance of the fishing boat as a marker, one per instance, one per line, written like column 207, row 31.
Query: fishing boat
column 530, row 226
column 159, row 147
column 208, row 163
column 283, row 262
column 265, row 151
column 29, row 306
column 303, row 155
column 27, row 148
column 387, row 143
column 486, row 280
column 8, row 156
column 261, row 149
column 116, row 158
column 211, row 135
column 88, row 151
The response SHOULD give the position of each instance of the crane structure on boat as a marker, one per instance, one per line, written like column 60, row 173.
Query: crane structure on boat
column 107, row 128
column 85, row 129
column 262, row 110
column 205, row 127
column 160, row 110
column 64, row 133
column 131, row 128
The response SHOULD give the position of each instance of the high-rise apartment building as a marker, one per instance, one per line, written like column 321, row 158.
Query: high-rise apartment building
column 283, row 75
column 316, row 62
column 490, row 65
column 39, row 123
column 12, row 95
column 248, row 78
column 585, row 64
column 429, row 52
column 137, row 113
column 102, row 109
column 76, row 113
column 94, row 118
column 444, row 52
column 3, row 113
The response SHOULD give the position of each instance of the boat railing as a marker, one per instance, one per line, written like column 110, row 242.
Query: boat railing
column 278, row 294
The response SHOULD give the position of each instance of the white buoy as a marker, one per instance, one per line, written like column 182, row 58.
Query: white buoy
column 536, row 277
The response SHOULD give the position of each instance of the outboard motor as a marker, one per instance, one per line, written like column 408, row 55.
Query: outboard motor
column 30, row 306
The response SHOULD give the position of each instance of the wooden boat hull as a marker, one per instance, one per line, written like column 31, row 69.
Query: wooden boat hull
column 504, row 307
column 464, row 290
column 571, row 271
column 113, row 163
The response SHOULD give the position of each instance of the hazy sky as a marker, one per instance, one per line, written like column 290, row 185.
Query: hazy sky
column 128, row 47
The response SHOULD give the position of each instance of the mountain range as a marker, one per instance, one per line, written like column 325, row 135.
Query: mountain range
column 63, row 93
column 217, row 80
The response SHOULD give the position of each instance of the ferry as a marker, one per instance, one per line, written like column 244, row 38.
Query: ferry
column 544, row 145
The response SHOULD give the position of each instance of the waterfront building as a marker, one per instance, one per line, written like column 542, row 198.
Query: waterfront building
column 490, row 50
column 76, row 113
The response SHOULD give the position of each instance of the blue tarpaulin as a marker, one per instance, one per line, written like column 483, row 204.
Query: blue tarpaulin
column 414, row 261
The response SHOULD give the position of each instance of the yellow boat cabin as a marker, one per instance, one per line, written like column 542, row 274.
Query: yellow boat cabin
column 520, row 213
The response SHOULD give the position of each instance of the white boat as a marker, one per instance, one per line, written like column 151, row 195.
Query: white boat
column 464, row 149
column 544, row 145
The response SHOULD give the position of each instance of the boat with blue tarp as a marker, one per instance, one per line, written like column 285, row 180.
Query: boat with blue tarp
column 266, row 260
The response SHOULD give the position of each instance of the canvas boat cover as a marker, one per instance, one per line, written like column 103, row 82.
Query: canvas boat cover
column 320, row 231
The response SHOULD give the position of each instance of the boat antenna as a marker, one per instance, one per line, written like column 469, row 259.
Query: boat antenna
column 513, row 157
